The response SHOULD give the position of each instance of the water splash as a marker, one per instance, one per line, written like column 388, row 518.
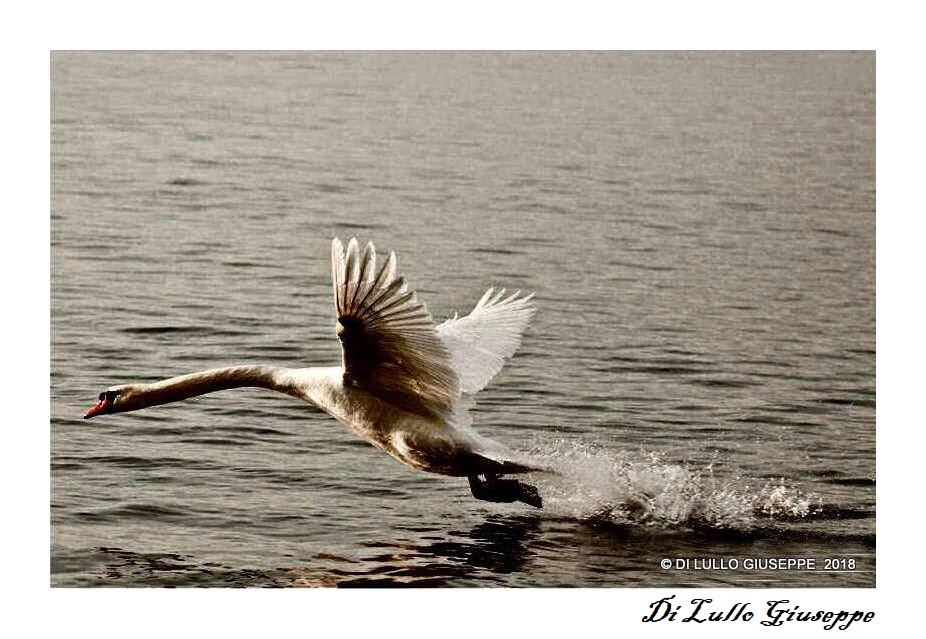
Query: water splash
column 643, row 488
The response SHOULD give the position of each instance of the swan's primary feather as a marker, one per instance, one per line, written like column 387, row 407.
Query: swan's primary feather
column 389, row 343
column 480, row 342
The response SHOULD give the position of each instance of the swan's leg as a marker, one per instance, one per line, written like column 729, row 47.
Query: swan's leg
column 482, row 490
column 529, row 495
column 504, row 490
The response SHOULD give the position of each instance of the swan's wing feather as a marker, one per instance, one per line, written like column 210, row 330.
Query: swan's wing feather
column 480, row 342
column 389, row 343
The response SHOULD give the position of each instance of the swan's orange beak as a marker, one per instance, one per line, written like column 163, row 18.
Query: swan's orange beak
column 105, row 403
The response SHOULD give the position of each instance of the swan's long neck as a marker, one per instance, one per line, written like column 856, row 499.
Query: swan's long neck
column 183, row 387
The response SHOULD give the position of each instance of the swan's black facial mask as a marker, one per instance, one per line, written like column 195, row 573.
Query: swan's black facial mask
column 107, row 399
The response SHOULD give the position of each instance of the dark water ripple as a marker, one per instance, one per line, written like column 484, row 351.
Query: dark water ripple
column 500, row 546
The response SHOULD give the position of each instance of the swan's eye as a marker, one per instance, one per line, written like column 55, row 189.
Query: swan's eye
column 102, row 395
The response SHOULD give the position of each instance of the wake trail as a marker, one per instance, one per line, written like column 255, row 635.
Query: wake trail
column 643, row 488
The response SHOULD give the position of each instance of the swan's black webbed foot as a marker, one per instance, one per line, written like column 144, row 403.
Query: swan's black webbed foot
column 504, row 490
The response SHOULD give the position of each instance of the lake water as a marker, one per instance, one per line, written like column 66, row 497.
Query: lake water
column 699, row 230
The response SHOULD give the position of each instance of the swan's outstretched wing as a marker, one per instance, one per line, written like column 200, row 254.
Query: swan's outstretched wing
column 390, row 346
column 480, row 342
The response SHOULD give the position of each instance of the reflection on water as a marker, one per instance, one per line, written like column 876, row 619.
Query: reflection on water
column 499, row 545
column 600, row 551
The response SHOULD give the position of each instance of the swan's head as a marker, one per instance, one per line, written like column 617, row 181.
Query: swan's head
column 116, row 399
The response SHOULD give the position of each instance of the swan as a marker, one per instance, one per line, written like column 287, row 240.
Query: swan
column 404, row 384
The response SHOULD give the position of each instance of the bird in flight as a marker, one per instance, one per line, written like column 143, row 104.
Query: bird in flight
column 404, row 384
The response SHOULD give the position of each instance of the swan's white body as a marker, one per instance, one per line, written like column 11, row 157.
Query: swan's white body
column 405, row 385
column 446, row 446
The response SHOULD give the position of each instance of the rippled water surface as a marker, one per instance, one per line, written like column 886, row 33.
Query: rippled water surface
column 698, row 228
